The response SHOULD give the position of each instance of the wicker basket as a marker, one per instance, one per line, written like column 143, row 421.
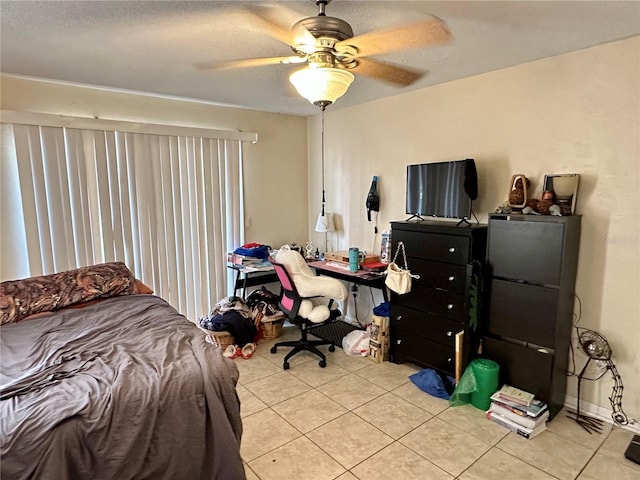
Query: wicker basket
column 271, row 325
column 222, row 339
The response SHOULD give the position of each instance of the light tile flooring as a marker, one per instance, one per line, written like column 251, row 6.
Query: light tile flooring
column 356, row 419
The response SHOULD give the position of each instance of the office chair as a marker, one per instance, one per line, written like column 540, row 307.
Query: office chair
column 306, row 301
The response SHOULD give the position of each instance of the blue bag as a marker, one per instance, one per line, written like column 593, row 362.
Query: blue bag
column 430, row 381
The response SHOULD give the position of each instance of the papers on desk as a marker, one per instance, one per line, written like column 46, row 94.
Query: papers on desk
column 243, row 260
column 340, row 265
column 263, row 266
column 248, row 264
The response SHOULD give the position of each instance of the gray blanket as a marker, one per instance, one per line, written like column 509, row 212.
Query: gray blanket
column 122, row 389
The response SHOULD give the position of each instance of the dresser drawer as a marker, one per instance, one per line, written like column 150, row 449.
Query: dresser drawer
column 434, row 328
column 408, row 347
column 522, row 311
column 522, row 367
column 436, row 247
column 439, row 275
column 441, row 303
column 526, row 250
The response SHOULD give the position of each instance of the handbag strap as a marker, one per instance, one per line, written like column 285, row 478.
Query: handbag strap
column 400, row 247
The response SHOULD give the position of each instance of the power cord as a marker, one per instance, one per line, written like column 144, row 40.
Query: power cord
column 574, row 323
column 373, row 301
column 355, row 289
column 375, row 231
column 616, row 397
column 354, row 293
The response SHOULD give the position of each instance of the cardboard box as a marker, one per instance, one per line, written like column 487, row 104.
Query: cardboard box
column 379, row 339
column 343, row 257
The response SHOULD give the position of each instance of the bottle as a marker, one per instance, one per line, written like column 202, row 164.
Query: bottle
column 385, row 246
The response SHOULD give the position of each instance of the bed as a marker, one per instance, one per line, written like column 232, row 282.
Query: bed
column 123, row 387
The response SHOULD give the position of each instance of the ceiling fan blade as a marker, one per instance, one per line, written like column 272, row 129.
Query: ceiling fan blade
column 386, row 72
column 272, row 23
column 249, row 62
column 397, row 38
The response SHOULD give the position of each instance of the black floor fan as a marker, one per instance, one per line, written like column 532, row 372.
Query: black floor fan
column 597, row 348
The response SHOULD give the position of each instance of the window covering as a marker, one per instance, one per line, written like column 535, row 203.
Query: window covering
column 169, row 206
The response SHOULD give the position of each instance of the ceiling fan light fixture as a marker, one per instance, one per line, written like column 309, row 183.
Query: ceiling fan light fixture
column 321, row 86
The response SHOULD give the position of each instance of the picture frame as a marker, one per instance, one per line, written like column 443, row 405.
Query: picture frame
column 565, row 189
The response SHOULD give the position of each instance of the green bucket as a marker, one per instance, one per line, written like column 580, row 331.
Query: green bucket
column 485, row 372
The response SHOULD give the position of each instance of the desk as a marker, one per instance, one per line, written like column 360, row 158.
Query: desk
column 361, row 277
column 246, row 277
column 336, row 331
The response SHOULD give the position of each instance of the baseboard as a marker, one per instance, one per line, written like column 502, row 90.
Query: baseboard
column 599, row 412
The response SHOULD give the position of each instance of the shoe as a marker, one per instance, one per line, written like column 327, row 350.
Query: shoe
column 248, row 350
column 232, row 351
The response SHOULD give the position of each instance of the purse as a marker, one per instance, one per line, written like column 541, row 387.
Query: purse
column 399, row 279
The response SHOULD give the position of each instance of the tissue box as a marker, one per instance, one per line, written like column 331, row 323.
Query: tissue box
column 379, row 339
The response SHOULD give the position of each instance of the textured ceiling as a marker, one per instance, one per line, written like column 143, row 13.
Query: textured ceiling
column 153, row 46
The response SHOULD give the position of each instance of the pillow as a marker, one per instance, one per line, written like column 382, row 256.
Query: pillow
column 141, row 288
column 307, row 282
column 21, row 298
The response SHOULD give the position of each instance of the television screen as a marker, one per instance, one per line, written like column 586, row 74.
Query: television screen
column 443, row 189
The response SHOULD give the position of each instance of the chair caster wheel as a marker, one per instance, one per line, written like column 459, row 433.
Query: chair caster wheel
column 332, row 348
column 285, row 366
column 274, row 349
column 322, row 363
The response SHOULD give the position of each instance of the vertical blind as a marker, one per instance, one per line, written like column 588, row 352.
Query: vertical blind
column 169, row 207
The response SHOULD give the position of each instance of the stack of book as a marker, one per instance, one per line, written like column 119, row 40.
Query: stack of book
column 519, row 411
column 250, row 264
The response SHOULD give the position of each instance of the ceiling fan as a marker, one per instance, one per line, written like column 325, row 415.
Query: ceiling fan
column 328, row 45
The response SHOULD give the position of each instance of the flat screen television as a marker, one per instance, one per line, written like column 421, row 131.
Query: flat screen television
column 442, row 189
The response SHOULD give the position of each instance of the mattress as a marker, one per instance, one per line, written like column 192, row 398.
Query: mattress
column 123, row 388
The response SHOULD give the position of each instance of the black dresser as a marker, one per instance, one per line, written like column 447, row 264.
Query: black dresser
column 532, row 261
column 430, row 326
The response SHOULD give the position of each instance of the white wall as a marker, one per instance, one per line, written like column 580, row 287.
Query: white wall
column 574, row 113
column 275, row 212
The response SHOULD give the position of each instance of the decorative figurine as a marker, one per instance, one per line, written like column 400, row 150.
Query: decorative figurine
column 309, row 249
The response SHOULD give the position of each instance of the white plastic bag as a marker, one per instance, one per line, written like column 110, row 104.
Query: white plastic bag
column 356, row 343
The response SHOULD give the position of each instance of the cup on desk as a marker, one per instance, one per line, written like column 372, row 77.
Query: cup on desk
column 355, row 258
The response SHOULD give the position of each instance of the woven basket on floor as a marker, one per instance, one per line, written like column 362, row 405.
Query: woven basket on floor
column 222, row 339
column 271, row 325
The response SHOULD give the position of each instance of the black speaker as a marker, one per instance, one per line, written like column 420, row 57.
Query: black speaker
column 471, row 179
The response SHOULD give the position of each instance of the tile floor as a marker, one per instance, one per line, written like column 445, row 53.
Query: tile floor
column 356, row 419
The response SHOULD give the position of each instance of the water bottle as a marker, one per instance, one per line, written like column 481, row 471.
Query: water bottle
column 385, row 246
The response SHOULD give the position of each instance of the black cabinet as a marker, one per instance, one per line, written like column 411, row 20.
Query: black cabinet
column 430, row 326
column 532, row 262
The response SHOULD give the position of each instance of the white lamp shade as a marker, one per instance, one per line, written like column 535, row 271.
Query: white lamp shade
column 321, row 85
column 325, row 223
